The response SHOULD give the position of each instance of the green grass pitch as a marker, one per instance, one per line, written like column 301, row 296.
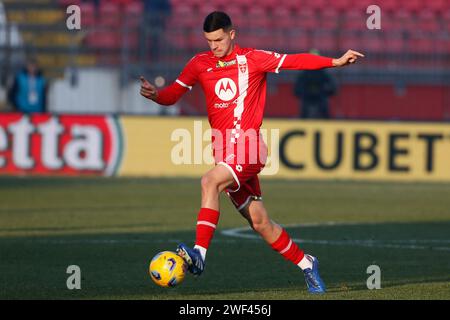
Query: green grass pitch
column 111, row 228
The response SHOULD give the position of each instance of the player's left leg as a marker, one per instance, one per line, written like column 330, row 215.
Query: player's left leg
column 280, row 241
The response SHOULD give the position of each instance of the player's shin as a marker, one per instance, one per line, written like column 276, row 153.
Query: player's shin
column 206, row 225
column 289, row 249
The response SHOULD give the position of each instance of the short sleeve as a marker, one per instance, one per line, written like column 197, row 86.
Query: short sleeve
column 268, row 61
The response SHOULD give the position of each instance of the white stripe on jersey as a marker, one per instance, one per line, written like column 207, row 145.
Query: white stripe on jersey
column 277, row 70
column 243, row 87
column 183, row 84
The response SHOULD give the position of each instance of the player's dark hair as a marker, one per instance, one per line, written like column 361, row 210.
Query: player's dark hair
column 217, row 20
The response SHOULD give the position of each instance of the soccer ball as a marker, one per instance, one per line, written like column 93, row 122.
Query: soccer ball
column 167, row 269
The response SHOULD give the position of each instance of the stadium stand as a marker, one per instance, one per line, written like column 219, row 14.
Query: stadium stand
column 327, row 19
column 42, row 25
column 414, row 39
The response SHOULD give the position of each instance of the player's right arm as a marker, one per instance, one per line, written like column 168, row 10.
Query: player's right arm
column 167, row 96
column 172, row 93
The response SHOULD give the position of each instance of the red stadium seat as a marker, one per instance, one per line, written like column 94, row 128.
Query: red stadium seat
column 354, row 20
column 88, row 14
column 390, row 23
column 404, row 20
column 121, row 2
column 66, row 3
column 269, row 4
column 324, row 41
column 437, row 5
column 242, row 3
column 259, row 40
column 446, row 15
column 179, row 38
column 427, row 21
column 282, row 18
column 193, row 3
column 221, row 5
column 442, row 45
column 388, row 6
column 420, row 43
column 350, row 41
column 279, row 40
column 206, row 9
column 317, row 5
column 238, row 17
column 197, row 40
column 135, row 7
column 133, row 13
column 109, row 15
column 372, row 42
column 183, row 16
column 394, row 43
column 291, row 5
column 328, row 19
column 361, row 5
column 183, row 9
column 305, row 19
column 298, row 42
column 258, row 17
column 412, row 5
column 341, row 5
column 103, row 39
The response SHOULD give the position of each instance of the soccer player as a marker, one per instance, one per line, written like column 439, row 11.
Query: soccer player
column 234, row 82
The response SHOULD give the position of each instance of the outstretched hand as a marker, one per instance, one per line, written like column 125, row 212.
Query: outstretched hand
column 349, row 57
column 148, row 90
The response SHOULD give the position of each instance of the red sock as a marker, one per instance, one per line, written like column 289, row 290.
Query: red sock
column 206, row 225
column 287, row 248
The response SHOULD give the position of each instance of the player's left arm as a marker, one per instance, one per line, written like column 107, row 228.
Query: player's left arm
column 350, row 57
column 307, row 61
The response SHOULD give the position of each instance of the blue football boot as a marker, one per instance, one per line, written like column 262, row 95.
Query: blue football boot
column 193, row 258
column 312, row 277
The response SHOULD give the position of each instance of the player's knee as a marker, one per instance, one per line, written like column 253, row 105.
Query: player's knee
column 260, row 227
column 261, row 224
column 208, row 183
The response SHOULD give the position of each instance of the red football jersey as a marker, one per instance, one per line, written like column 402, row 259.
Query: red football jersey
column 235, row 88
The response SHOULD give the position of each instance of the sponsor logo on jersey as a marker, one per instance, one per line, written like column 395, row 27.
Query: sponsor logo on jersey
column 224, row 105
column 224, row 64
column 225, row 89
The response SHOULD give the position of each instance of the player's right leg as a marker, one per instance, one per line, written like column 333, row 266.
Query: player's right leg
column 279, row 240
column 213, row 182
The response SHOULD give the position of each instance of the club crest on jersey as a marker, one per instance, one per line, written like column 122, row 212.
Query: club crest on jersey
column 224, row 64
column 225, row 89
column 243, row 66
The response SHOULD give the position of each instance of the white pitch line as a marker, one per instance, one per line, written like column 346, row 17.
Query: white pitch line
column 238, row 234
column 393, row 244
